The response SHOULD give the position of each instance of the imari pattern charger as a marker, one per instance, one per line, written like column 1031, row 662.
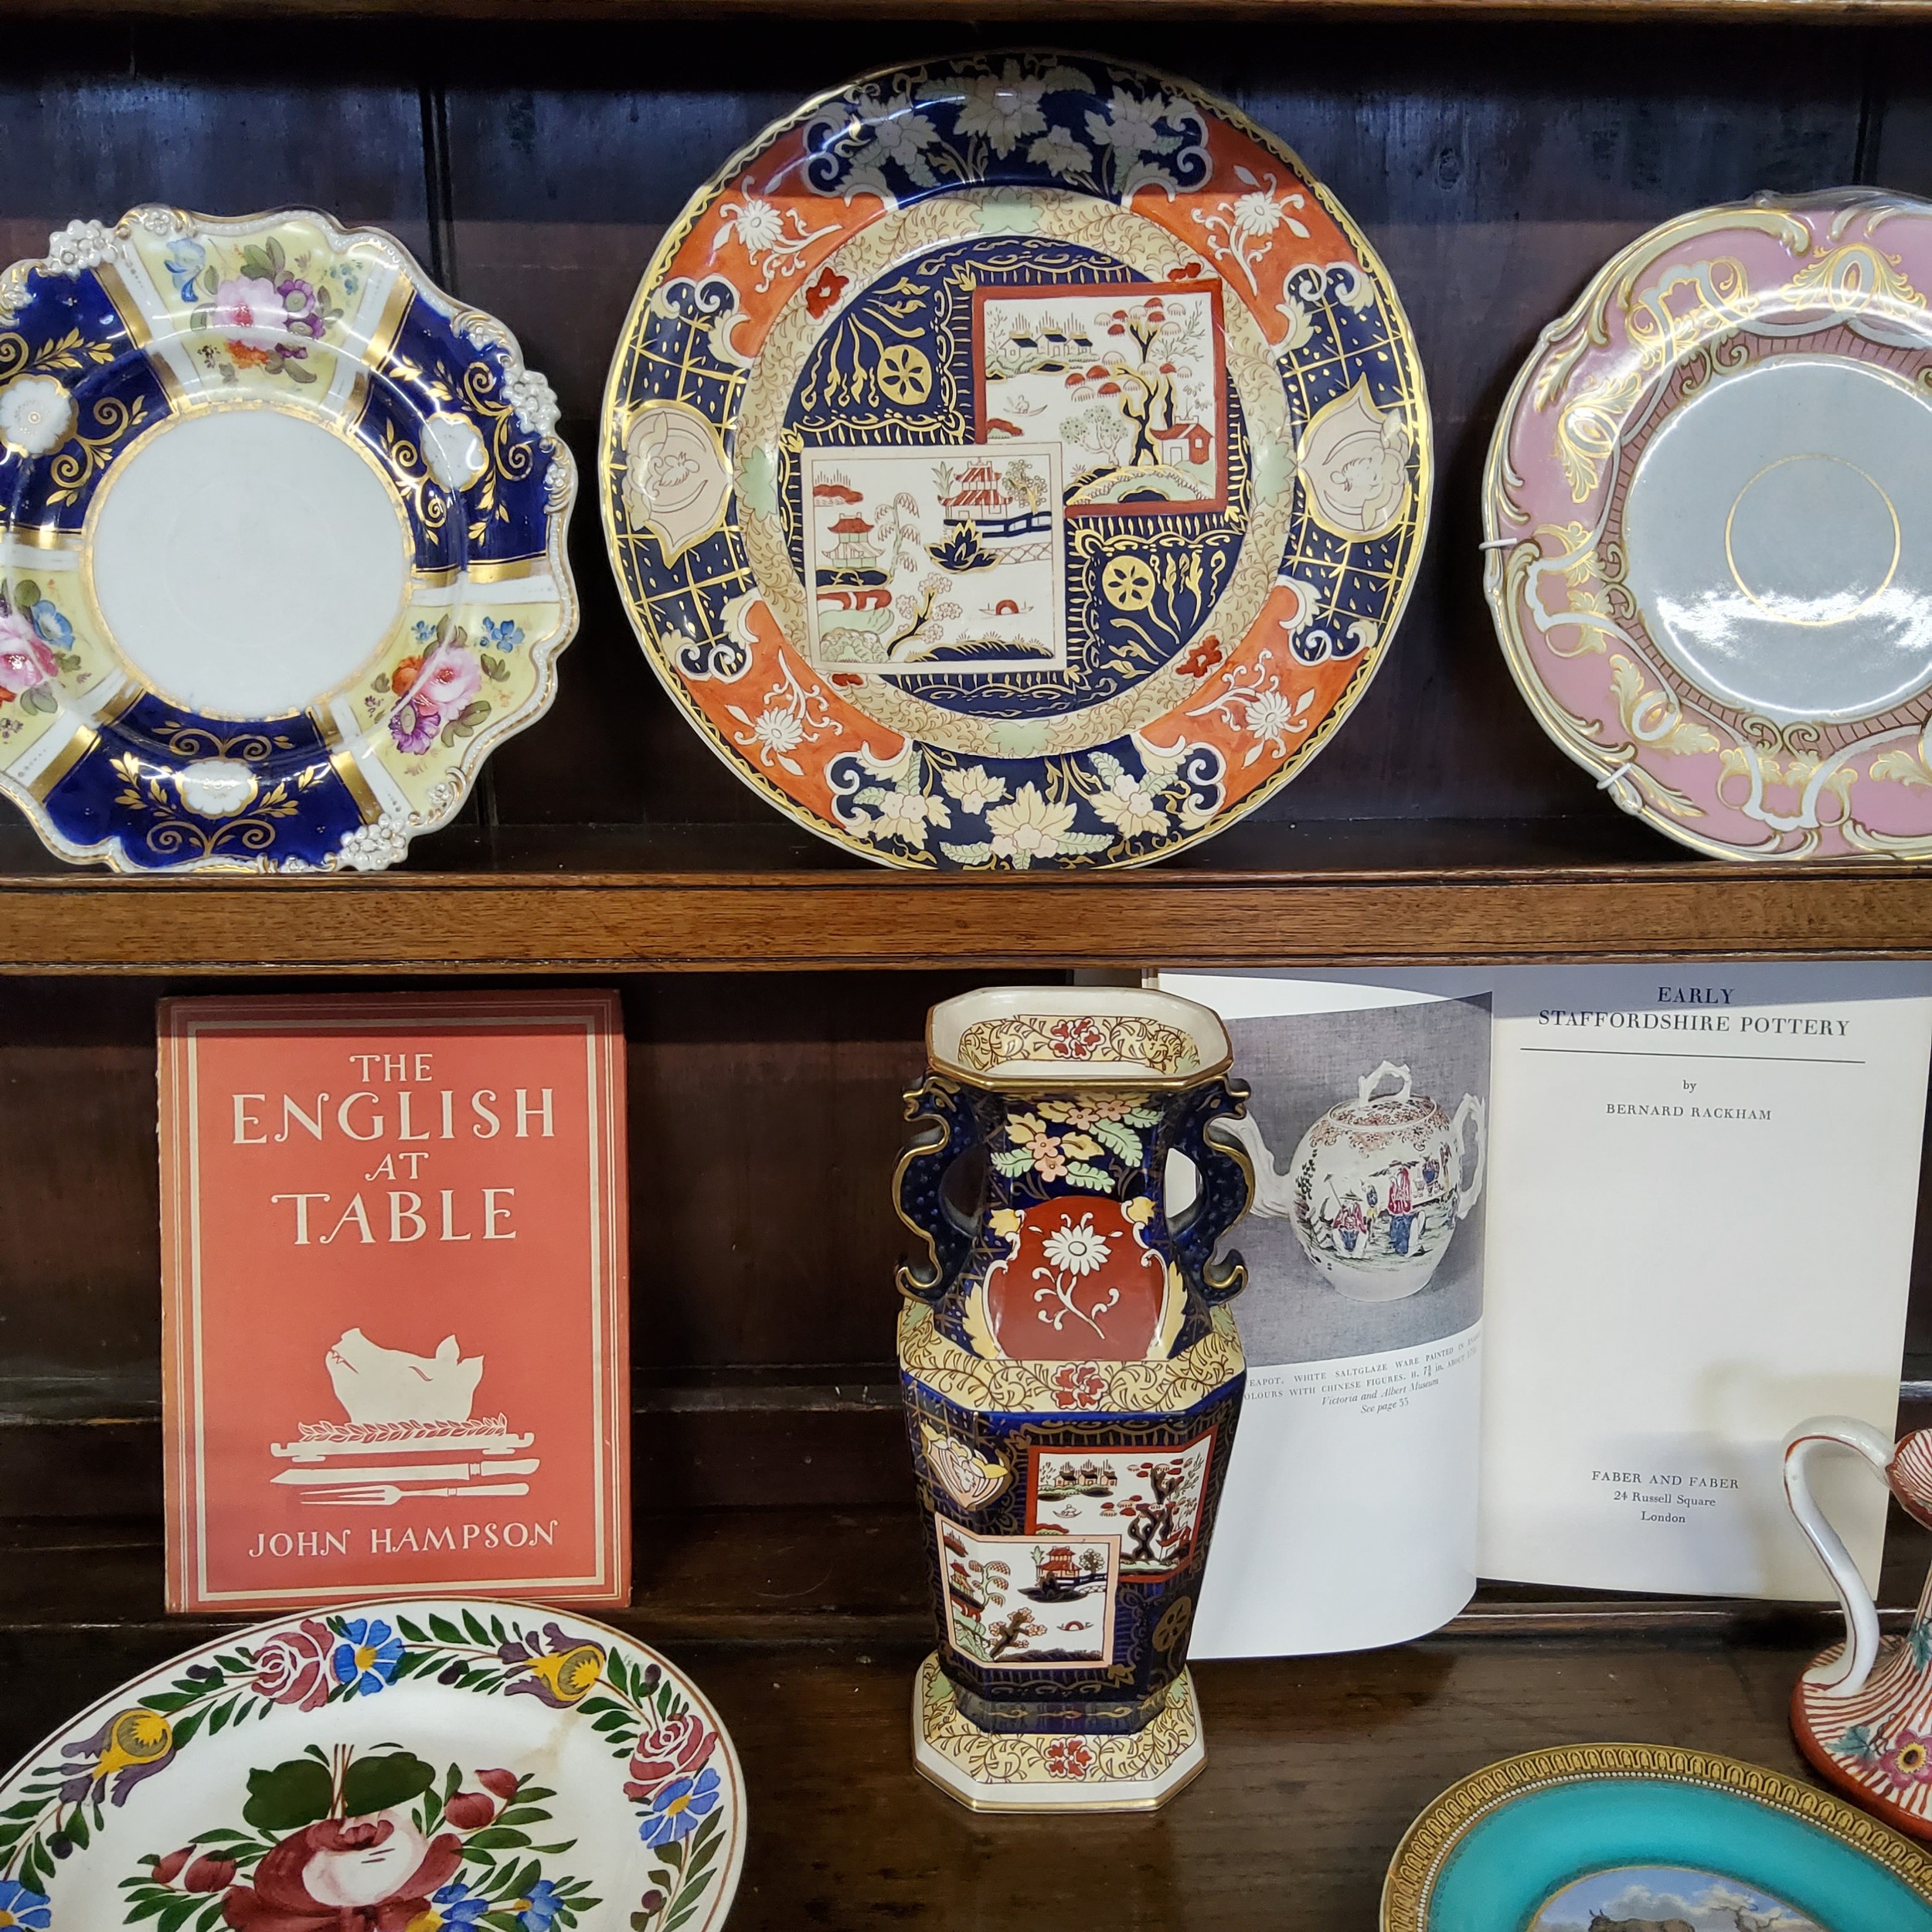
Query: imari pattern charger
column 281, row 543
column 1015, row 460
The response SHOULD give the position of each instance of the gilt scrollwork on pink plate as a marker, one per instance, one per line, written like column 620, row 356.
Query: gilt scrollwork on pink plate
column 1707, row 557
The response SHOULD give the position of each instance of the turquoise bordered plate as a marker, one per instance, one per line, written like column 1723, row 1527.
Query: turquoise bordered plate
column 1015, row 460
column 1650, row 1836
column 281, row 543
column 424, row 1765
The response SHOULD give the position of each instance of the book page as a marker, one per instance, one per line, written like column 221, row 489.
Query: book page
column 1702, row 1190
column 1348, row 1518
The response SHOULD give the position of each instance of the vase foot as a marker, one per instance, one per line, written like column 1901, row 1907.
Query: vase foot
column 1054, row 1771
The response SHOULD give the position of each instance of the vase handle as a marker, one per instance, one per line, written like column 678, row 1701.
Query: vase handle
column 1846, row 1677
column 941, row 1126
column 1226, row 1185
column 1471, row 1110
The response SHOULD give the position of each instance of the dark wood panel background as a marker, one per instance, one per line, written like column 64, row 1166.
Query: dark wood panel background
column 1495, row 165
column 533, row 170
column 764, row 1121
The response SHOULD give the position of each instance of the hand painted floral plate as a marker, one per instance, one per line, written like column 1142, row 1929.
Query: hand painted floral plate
column 1651, row 1839
column 1015, row 460
column 412, row 1767
column 281, row 543
column 1708, row 557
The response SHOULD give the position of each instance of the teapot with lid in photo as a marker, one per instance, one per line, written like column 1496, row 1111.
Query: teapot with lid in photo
column 1377, row 1186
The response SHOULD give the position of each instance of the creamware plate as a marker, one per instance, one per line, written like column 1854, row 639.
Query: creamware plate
column 419, row 1766
column 281, row 543
column 1709, row 557
column 1017, row 461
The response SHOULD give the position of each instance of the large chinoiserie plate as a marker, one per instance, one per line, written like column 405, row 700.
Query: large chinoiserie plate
column 420, row 1766
column 281, row 531
column 1646, row 1838
column 1015, row 460
column 1708, row 520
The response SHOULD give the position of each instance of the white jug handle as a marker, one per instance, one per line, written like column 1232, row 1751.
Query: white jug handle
column 1471, row 1110
column 1846, row 1677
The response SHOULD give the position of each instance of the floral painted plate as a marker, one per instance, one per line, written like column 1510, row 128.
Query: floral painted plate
column 412, row 1767
column 1708, row 557
column 1015, row 460
column 1646, row 1838
column 281, row 531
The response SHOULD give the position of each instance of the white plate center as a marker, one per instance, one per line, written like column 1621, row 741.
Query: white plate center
column 248, row 561
column 1775, row 542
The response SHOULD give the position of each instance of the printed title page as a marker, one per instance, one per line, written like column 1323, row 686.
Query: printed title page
column 1703, row 1186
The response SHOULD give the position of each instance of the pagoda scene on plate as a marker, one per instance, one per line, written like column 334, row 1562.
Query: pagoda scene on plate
column 409, row 1432
column 389, row 1767
column 1072, row 1379
column 917, row 563
column 1016, row 462
column 1378, row 1185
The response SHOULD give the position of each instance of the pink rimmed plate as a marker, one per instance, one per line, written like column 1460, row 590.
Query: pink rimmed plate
column 1708, row 554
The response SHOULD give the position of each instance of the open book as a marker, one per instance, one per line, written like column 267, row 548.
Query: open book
column 1544, row 1263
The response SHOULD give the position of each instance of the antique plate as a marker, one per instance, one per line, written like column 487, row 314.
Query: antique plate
column 1709, row 559
column 281, row 543
column 1015, row 460
column 423, row 1764
column 1647, row 1836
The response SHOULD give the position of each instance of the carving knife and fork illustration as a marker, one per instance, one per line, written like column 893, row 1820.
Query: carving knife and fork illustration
column 381, row 1488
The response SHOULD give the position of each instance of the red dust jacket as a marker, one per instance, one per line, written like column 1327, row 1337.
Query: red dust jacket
column 394, row 1335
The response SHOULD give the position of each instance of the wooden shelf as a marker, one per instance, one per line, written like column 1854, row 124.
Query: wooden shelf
column 646, row 11
column 741, row 898
column 805, row 1627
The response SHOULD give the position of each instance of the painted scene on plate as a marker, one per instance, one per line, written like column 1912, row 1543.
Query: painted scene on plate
column 1667, row 1898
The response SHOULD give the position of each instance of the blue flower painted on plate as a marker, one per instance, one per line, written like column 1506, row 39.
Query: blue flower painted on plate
column 367, row 1656
column 501, row 633
column 675, row 1810
column 20, row 1906
column 453, row 1906
column 537, row 1910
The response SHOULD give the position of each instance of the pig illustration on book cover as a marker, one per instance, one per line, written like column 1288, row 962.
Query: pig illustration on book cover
column 402, row 1405
column 394, row 1332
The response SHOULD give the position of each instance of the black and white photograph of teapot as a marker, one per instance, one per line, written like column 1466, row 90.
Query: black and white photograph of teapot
column 1378, row 1185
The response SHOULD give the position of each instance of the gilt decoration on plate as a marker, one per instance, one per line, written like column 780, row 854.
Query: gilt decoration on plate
column 1014, row 462
column 1706, row 555
column 280, row 543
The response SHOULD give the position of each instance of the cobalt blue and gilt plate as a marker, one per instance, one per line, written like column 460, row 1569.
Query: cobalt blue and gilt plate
column 1015, row 460
column 1649, row 1836
column 282, row 527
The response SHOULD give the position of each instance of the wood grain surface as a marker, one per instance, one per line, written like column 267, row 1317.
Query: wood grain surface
column 439, row 924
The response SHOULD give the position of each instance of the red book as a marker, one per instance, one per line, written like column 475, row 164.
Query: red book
column 394, row 1333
